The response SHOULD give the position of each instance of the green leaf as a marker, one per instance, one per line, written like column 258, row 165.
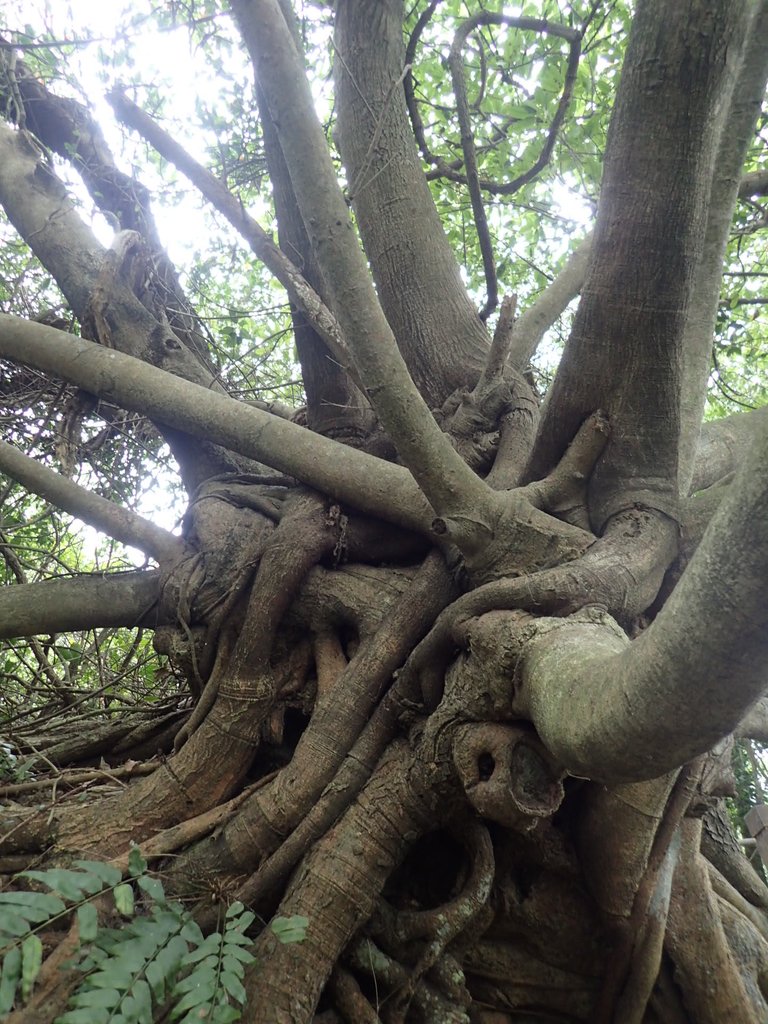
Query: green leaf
column 243, row 956
column 290, row 929
column 71, row 885
column 106, row 998
column 209, row 946
column 9, row 979
column 157, row 978
column 85, row 1015
column 108, row 873
column 124, row 901
column 87, row 922
column 153, row 887
column 136, row 863
column 205, row 974
column 192, row 933
column 232, row 985
column 13, row 927
column 242, row 921
column 31, row 962
column 223, row 1013
column 37, row 906
column 200, row 995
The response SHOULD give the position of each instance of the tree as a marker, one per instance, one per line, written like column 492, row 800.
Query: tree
column 463, row 668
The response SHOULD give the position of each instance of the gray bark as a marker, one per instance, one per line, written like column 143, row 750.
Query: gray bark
column 437, row 327
column 624, row 354
column 82, row 602
column 619, row 711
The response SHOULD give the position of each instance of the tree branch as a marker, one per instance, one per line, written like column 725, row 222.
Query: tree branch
column 723, row 445
column 39, row 207
column 634, row 711
column 744, row 94
column 438, row 331
column 82, row 602
column 67, row 128
column 219, row 196
column 572, row 37
column 380, row 488
column 753, row 184
column 625, row 351
column 535, row 321
column 448, row 483
column 470, row 162
column 120, row 523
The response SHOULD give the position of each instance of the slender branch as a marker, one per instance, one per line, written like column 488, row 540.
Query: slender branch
column 470, row 162
column 287, row 273
column 452, row 172
column 535, row 321
column 503, row 338
column 349, row 475
column 124, row 525
column 40, row 208
column 68, row 128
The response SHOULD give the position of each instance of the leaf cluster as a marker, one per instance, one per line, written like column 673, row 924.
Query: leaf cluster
column 156, row 958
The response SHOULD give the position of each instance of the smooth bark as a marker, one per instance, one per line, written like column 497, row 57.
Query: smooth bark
column 80, row 602
column 629, row 328
column 611, row 709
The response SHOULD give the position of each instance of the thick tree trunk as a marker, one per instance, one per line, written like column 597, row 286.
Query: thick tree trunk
column 441, row 719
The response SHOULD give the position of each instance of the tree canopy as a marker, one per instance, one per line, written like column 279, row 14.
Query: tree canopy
column 384, row 519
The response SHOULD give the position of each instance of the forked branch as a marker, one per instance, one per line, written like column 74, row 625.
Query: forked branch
column 448, row 483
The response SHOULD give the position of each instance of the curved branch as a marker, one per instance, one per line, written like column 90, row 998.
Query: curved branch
column 82, row 602
column 470, row 162
column 572, row 37
column 452, row 171
column 723, row 445
column 635, row 711
column 535, row 321
column 120, row 523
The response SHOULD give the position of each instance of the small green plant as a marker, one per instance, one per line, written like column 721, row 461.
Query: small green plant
column 158, row 956
column 11, row 768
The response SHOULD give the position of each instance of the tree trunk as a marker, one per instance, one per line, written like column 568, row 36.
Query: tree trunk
column 458, row 687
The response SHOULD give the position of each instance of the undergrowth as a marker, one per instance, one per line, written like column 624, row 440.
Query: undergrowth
column 139, row 954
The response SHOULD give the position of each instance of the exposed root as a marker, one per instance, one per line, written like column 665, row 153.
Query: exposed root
column 716, row 986
column 271, row 816
column 621, row 572
column 441, row 926
column 404, row 798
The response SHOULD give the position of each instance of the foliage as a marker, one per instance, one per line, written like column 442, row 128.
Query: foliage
column 155, row 955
